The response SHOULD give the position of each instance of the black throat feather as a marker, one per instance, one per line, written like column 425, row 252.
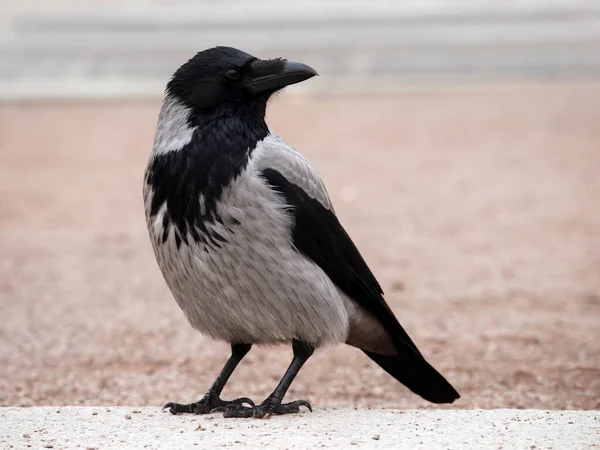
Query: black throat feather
column 216, row 155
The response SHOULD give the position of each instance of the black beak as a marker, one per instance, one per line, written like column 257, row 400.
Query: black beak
column 274, row 74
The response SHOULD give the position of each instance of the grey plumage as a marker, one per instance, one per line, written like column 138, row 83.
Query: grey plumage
column 256, row 288
column 247, row 239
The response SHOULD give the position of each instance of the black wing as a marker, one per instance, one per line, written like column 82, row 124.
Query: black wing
column 319, row 235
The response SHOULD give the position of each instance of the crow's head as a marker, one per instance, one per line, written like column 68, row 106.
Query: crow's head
column 227, row 76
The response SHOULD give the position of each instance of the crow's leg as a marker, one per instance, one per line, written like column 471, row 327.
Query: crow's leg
column 272, row 404
column 212, row 400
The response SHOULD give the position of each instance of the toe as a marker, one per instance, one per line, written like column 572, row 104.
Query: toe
column 242, row 400
column 178, row 408
column 169, row 406
column 305, row 404
column 238, row 411
column 292, row 407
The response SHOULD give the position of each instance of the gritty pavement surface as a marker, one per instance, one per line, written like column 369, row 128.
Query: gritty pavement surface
column 477, row 209
column 149, row 428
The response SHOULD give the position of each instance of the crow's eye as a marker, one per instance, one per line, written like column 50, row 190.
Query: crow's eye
column 232, row 74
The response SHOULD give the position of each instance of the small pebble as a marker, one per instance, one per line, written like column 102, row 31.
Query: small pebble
column 376, row 437
column 26, row 435
column 128, row 417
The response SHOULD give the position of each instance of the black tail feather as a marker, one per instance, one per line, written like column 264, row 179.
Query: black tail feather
column 411, row 369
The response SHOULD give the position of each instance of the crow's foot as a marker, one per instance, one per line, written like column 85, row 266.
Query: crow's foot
column 206, row 405
column 267, row 408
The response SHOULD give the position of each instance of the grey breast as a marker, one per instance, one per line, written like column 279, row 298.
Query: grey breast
column 256, row 287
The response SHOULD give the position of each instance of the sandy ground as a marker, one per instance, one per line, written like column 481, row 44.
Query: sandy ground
column 477, row 208
column 148, row 428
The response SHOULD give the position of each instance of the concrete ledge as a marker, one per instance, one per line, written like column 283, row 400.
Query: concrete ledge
column 150, row 428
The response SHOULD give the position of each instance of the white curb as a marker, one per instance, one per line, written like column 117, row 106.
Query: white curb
column 150, row 428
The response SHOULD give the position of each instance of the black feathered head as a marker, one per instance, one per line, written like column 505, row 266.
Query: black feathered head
column 225, row 75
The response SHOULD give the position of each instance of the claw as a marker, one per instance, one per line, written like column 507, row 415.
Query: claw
column 241, row 401
column 292, row 407
column 304, row 403
column 177, row 408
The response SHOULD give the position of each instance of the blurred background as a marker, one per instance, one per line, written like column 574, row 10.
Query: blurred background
column 73, row 48
column 460, row 143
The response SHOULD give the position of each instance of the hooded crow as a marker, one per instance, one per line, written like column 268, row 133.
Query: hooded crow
column 247, row 239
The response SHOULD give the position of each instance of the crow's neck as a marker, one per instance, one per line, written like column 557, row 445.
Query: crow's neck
column 228, row 128
column 191, row 180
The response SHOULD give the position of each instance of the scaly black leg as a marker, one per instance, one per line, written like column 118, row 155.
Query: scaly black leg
column 212, row 400
column 272, row 404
